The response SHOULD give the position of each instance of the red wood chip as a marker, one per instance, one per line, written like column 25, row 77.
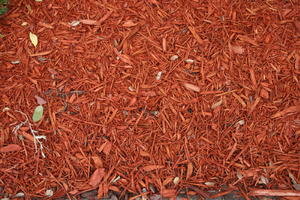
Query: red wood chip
column 191, row 87
column 40, row 100
column 10, row 148
column 236, row 49
column 107, row 148
column 152, row 167
column 168, row 193
column 97, row 176
column 89, row 22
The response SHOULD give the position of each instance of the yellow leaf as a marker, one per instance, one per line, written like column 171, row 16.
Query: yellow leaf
column 33, row 39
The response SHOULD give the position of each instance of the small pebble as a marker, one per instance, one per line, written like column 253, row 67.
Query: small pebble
column 49, row 193
column 5, row 109
column 158, row 76
column 189, row 61
column 130, row 89
column 42, row 59
column 20, row 194
column 174, row 57
column 176, row 180
column 155, row 113
column 75, row 23
column 240, row 123
column 15, row 62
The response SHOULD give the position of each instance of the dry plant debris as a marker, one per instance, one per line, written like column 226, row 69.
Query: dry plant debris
column 150, row 96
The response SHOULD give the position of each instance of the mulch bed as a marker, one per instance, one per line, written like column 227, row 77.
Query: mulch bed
column 150, row 97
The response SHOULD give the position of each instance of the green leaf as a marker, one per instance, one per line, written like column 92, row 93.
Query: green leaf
column 38, row 113
column 3, row 1
column 3, row 6
column 3, row 10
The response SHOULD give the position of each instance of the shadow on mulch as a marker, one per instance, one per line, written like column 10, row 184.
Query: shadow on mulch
column 92, row 195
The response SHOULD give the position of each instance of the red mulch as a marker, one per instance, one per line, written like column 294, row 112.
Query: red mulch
column 150, row 94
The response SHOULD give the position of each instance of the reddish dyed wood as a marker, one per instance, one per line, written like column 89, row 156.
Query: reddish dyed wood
column 189, row 94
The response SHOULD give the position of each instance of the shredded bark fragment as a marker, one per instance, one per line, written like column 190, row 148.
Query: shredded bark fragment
column 10, row 148
column 281, row 193
column 191, row 87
